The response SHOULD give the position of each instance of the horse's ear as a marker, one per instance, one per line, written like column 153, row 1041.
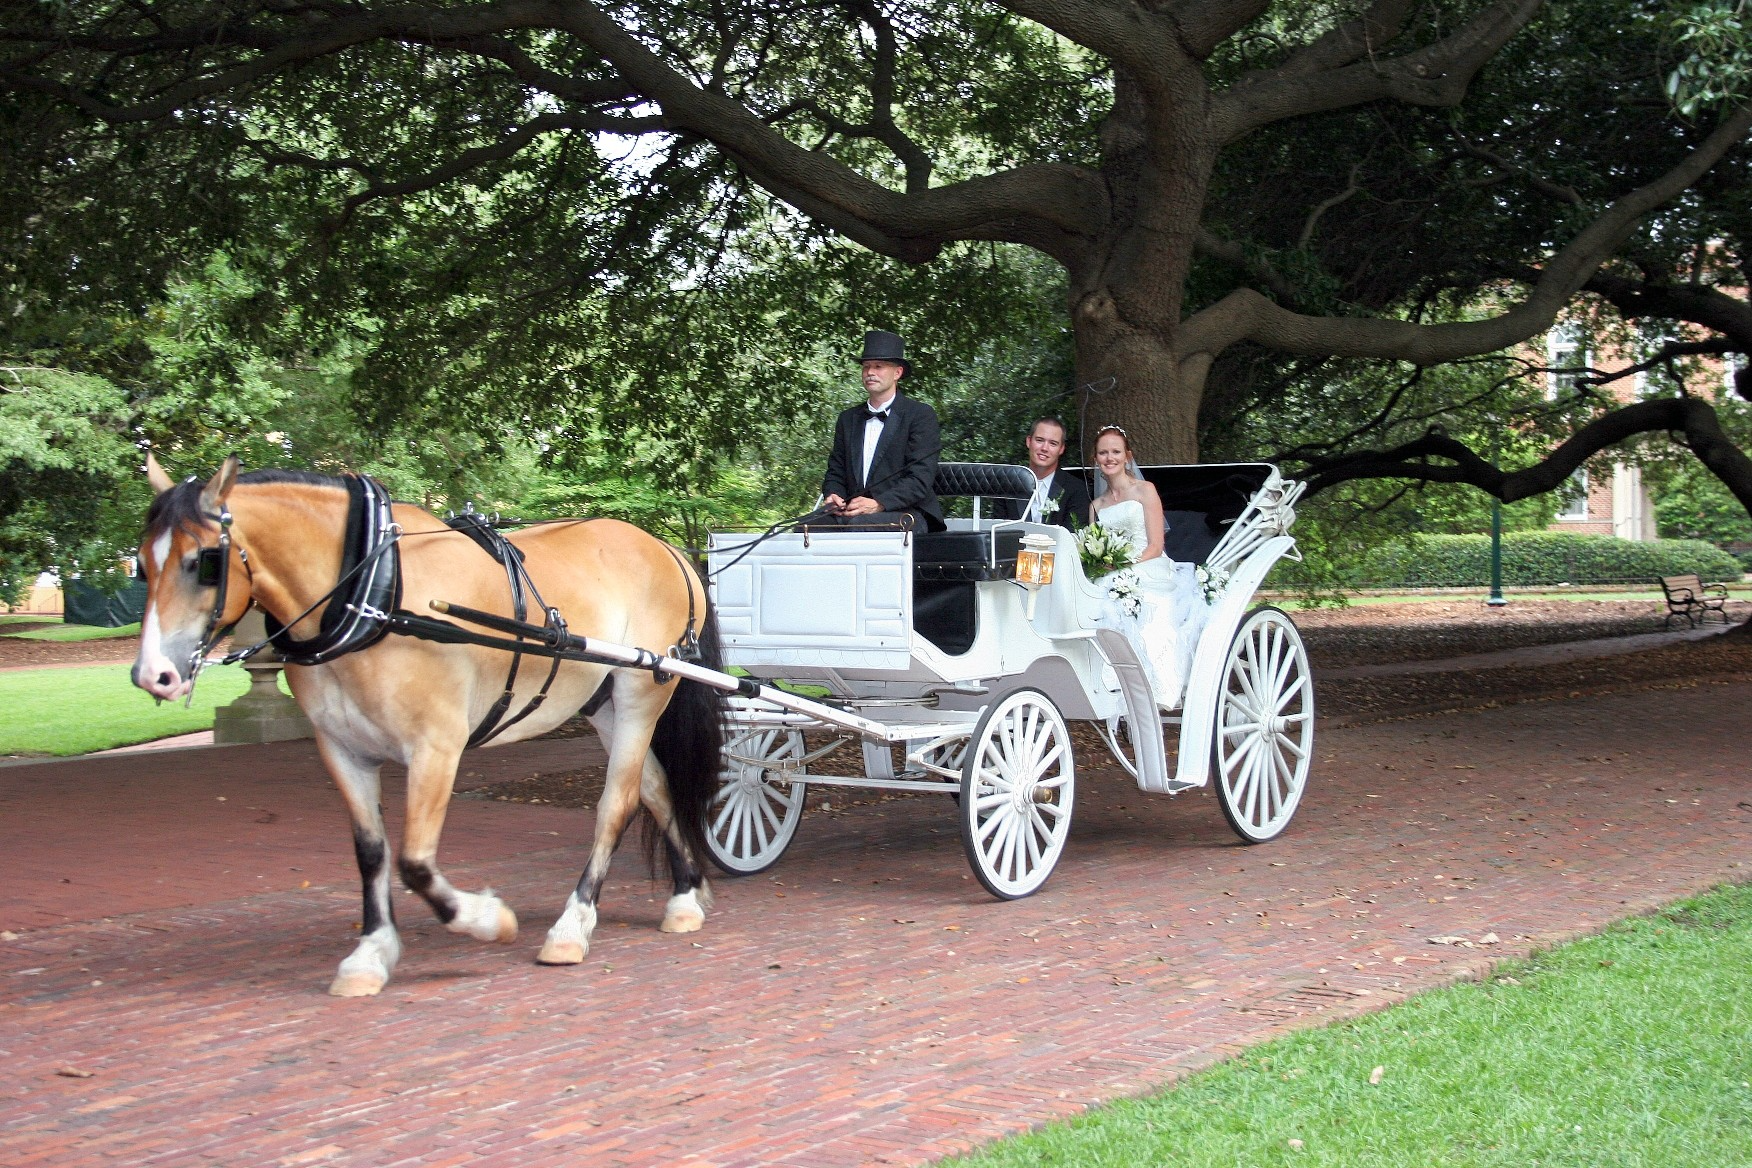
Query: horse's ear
column 161, row 482
column 219, row 486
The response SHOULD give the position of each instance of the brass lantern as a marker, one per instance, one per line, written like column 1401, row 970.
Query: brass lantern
column 1034, row 565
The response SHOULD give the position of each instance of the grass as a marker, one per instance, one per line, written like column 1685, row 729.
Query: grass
column 77, row 633
column 95, row 707
column 1628, row 1048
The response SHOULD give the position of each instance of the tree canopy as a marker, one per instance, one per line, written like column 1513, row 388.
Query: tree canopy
column 673, row 211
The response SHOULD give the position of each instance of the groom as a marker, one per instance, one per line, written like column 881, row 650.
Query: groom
column 885, row 449
column 1059, row 496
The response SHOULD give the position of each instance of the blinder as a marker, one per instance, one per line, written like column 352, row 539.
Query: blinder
column 209, row 566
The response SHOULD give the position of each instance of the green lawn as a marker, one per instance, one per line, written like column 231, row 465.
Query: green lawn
column 1511, row 595
column 1629, row 1048
column 77, row 633
column 95, row 707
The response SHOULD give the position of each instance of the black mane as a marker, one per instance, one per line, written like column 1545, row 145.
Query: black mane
column 180, row 507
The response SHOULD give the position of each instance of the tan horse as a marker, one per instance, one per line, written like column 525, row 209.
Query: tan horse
column 415, row 701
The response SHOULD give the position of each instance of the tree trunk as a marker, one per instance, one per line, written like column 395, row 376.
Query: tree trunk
column 1125, row 301
column 1153, row 397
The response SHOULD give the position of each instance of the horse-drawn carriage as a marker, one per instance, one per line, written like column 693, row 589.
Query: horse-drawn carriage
column 940, row 645
column 967, row 648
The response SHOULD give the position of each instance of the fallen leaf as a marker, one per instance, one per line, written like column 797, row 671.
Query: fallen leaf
column 8, row 935
column 1449, row 941
column 904, row 921
column 1490, row 939
column 74, row 1073
column 1375, row 1076
column 1295, row 1145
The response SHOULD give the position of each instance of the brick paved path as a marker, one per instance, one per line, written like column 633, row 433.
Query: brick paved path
column 865, row 1003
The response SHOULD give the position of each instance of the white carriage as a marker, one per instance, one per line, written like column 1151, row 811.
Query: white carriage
column 930, row 643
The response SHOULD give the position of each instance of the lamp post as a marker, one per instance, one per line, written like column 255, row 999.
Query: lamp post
column 1496, row 536
column 1496, row 554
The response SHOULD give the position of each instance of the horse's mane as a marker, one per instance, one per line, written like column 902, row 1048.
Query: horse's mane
column 180, row 507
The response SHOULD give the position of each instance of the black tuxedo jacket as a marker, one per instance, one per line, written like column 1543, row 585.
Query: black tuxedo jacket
column 903, row 475
column 1067, row 488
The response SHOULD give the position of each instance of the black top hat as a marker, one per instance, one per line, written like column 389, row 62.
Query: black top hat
column 884, row 346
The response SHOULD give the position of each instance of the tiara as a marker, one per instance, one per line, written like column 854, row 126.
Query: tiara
column 1110, row 428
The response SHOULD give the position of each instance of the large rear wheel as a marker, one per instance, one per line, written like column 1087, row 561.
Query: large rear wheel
column 758, row 806
column 1265, row 726
column 1018, row 783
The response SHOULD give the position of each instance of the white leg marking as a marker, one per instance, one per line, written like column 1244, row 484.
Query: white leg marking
column 569, row 940
column 484, row 917
column 683, row 914
column 367, row 968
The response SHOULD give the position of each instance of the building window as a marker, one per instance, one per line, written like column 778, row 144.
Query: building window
column 1566, row 355
column 1576, row 496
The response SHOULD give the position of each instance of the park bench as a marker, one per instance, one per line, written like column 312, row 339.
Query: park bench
column 1691, row 598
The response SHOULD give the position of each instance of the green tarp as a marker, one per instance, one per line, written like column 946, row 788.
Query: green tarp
column 86, row 605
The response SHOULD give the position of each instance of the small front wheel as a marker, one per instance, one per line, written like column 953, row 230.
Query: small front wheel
column 755, row 814
column 1018, row 783
column 1265, row 726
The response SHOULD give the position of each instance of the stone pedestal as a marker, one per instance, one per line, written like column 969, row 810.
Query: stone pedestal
column 263, row 714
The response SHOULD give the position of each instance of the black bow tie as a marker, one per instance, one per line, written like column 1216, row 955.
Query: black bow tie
column 879, row 415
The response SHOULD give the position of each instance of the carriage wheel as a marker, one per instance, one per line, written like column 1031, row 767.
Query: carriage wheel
column 1265, row 726
column 755, row 814
column 1017, row 786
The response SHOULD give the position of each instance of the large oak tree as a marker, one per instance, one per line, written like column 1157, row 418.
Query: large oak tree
column 1398, row 181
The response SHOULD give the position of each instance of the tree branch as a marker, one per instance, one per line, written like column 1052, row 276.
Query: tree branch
column 1246, row 315
column 1691, row 417
column 1436, row 75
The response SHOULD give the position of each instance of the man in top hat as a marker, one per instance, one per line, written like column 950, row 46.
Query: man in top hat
column 1059, row 496
column 884, row 461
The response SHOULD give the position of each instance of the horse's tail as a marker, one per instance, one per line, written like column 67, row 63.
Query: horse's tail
column 689, row 742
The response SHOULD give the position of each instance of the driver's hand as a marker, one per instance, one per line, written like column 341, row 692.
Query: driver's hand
column 862, row 505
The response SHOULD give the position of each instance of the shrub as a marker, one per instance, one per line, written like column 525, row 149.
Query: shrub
column 1540, row 557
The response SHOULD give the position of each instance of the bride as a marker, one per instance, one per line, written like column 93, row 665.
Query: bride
column 1174, row 609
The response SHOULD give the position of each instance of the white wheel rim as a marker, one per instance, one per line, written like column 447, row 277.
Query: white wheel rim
column 1022, row 784
column 754, row 816
column 1265, row 732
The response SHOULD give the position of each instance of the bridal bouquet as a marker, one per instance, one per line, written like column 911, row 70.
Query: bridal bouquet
column 1211, row 583
column 1124, row 589
column 1103, row 550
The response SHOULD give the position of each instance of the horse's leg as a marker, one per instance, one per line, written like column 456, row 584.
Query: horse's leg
column 569, row 939
column 481, row 915
column 367, row 968
column 686, row 910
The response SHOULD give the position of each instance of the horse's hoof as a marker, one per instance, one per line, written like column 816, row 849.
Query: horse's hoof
column 560, row 953
column 508, row 927
column 683, row 914
column 683, row 922
column 356, row 985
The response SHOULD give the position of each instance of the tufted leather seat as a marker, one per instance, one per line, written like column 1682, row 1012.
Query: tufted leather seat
column 990, row 480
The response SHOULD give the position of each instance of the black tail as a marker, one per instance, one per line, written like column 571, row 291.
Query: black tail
column 689, row 742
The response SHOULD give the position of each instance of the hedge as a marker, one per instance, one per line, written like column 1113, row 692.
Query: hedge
column 1538, row 558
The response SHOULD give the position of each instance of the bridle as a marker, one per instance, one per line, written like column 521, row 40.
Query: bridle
column 213, row 570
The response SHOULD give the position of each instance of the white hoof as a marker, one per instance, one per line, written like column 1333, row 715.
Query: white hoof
column 683, row 914
column 367, row 968
column 484, row 917
column 569, row 940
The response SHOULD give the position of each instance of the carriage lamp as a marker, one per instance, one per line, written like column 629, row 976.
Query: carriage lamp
column 1034, row 566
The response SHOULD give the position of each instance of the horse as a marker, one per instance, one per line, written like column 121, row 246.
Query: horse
column 278, row 539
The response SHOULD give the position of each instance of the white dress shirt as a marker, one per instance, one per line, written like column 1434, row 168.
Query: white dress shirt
column 873, row 428
column 1036, row 504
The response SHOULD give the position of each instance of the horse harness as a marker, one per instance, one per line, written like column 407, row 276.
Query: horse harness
column 366, row 605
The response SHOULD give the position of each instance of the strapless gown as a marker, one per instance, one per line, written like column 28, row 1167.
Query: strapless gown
column 1173, row 614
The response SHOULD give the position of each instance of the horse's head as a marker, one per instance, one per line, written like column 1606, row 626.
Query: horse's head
column 197, row 581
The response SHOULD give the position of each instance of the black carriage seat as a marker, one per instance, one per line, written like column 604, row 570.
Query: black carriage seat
column 973, row 555
column 948, row 564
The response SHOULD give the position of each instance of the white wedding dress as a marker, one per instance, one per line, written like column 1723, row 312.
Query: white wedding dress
column 1167, row 627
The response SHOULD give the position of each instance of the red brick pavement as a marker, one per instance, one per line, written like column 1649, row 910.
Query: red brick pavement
column 864, row 1003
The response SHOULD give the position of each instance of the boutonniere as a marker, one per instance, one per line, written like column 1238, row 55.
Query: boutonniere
column 1048, row 508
